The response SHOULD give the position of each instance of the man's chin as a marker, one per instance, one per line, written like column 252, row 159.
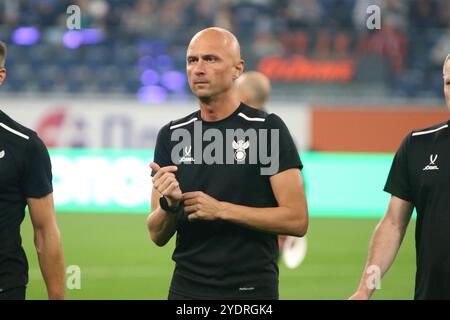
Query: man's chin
column 202, row 95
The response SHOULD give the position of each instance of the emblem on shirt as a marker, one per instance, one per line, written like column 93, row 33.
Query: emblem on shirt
column 187, row 155
column 432, row 165
column 228, row 146
column 240, row 147
column 2, row 154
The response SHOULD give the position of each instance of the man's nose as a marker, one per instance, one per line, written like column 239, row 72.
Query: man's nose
column 199, row 68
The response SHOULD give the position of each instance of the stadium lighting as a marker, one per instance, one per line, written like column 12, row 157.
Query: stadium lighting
column 164, row 62
column 149, row 77
column 146, row 62
column 174, row 80
column 72, row 39
column 152, row 94
column 92, row 36
column 26, row 36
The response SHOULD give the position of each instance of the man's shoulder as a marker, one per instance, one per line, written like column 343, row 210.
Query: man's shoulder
column 181, row 122
column 14, row 130
column 435, row 130
column 252, row 114
column 418, row 139
column 431, row 133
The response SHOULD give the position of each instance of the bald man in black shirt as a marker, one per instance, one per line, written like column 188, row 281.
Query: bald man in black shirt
column 228, row 199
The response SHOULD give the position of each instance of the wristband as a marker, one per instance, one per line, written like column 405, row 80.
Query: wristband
column 165, row 205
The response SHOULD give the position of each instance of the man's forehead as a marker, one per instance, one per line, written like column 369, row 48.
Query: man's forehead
column 202, row 44
column 206, row 49
column 447, row 70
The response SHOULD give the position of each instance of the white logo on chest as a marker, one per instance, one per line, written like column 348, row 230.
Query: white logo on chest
column 2, row 154
column 187, row 155
column 240, row 147
column 432, row 165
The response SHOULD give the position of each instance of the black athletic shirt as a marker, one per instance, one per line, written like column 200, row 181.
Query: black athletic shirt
column 25, row 172
column 420, row 174
column 219, row 259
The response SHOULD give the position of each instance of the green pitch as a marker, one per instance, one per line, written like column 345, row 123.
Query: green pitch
column 119, row 261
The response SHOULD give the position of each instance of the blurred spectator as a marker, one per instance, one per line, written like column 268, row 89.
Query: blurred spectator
column 204, row 12
column 142, row 17
column 444, row 17
column 223, row 17
column 245, row 15
column 441, row 49
column 303, row 14
column 10, row 12
column 337, row 14
column 423, row 14
column 266, row 45
column 389, row 42
column 397, row 11
column 171, row 14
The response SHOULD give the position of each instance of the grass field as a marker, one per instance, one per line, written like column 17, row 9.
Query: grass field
column 118, row 260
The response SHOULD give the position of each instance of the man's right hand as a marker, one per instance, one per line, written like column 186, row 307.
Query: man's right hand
column 166, row 184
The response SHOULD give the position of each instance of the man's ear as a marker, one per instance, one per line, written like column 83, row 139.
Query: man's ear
column 2, row 75
column 238, row 69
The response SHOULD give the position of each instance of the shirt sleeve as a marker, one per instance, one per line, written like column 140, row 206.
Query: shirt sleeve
column 37, row 178
column 398, row 182
column 162, row 151
column 288, row 156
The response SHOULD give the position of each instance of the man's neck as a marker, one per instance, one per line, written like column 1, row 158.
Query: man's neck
column 218, row 109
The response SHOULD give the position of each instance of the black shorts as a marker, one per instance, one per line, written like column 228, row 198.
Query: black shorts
column 13, row 293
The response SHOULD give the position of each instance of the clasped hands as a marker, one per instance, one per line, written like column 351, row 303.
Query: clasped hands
column 197, row 205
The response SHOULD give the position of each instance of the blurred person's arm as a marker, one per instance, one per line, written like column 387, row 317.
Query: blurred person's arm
column 385, row 243
column 160, row 223
column 289, row 218
column 47, row 240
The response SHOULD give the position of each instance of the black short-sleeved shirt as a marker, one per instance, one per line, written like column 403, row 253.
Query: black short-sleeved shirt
column 219, row 259
column 25, row 172
column 420, row 174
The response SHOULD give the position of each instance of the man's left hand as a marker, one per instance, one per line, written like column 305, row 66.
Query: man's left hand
column 199, row 206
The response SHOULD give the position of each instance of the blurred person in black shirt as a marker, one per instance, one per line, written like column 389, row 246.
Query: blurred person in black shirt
column 26, row 179
column 419, row 178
